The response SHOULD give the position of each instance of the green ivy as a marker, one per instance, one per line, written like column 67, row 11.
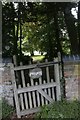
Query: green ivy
column 60, row 110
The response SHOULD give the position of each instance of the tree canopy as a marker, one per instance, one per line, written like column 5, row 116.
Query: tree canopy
column 45, row 27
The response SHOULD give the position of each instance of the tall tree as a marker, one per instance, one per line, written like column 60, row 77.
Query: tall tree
column 71, row 27
column 49, row 21
column 8, row 30
column 79, row 24
column 0, row 29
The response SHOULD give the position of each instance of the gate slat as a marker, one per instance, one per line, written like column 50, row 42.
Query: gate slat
column 29, row 95
column 24, row 85
column 33, row 88
column 47, row 73
column 26, row 100
column 21, row 99
column 15, row 91
column 46, row 92
column 53, row 96
column 42, row 99
column 49, row 92
column 30, row 111
column 45, row 95
column 48, row 77
column 33, row 94
column 38, row 99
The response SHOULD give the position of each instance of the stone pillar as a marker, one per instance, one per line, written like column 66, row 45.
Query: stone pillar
column 79, row 81
column 6, row 85
column 71, row 78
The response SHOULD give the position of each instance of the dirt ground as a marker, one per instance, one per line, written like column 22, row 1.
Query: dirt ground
column 14, row 117
column 30, row 116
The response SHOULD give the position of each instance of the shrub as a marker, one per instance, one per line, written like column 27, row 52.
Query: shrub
column 6, row 109
column 60, row 109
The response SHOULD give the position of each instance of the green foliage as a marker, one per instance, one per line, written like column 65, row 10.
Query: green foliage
column 30, row 41
column 8, row 14
column 6, row 110
column 40, row 35
column 39, row 31
column 60, row 109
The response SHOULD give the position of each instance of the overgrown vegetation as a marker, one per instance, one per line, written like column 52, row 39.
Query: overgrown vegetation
column 60, row 109
column 6, row 109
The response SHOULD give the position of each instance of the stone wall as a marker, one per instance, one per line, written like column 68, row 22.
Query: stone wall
column 72, row 79
column 6, row 87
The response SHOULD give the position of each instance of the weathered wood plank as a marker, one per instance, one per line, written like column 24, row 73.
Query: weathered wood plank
column 48, row 77
column 40, row 83
column 60, row 66
column 38, row 98
column 29, row 95
column 45, row 92
column 21, row 99
column 35, row 65
column 57, row 79
column 15, row 91
column 53, row 95
column 45, row 95
column 23, row 67
column 14, row 60
column 33, row 88
column 30, row 111
column 24, row 85
column 33, row 94
column 47, row 73
column 22, row 76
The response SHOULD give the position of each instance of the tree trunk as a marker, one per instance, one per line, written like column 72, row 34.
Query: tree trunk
column 50, row 51
column 14, row 39
column 15, row 42
column 0, row 29
column 20, row 39
column 72, row 32
column 59, row 48
column 79, row 24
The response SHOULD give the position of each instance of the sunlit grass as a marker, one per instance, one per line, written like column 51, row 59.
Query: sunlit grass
column 38, row 57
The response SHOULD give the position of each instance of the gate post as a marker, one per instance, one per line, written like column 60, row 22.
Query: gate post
column 57, row 79
column 15, row 91
column 62, row 79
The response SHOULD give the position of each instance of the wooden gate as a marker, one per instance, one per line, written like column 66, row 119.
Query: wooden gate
column 29, row 96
